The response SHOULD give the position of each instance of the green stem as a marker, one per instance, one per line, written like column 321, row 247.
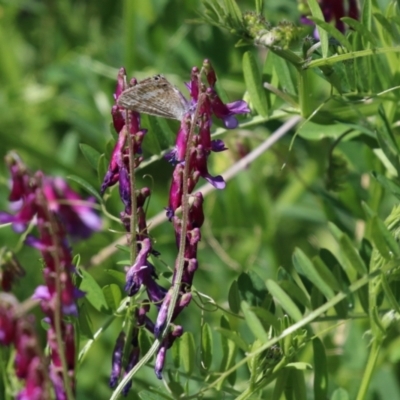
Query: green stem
column 373, row 356
column 305, row 93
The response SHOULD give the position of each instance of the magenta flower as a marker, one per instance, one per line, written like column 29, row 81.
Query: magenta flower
column 76, row 213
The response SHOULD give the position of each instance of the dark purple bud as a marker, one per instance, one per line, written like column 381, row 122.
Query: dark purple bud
column 196, row 214
column 155, row 292
column 181, row 139
column 116, row 162
column 118, row 118
column 205, row 132
column 116, row 363
column 218, row 145
column 140, row 270
column 175, row 193
column 162, row 314
column 194, row 236
column 132, row 361
column 188, row 273
column 125, row 187
column 142, row 195
column 160, row 361
column 193, row 85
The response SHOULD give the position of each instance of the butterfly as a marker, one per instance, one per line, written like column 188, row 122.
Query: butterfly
column 155, row 96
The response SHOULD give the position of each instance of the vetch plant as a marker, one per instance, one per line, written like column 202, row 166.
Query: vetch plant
column 189, row 157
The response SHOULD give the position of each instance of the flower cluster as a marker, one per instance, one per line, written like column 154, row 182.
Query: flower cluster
column 56, row 210
column 189, row 157
column 30, row 365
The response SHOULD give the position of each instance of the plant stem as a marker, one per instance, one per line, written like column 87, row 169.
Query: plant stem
column 369, row 370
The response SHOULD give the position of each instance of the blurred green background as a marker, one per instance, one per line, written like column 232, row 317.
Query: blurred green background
column 58, row 66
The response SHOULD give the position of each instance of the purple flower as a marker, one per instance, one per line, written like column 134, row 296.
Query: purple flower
column 132, row 361
column 227, row 112
column 117, row 360
column 77, row 215
column 162, row 351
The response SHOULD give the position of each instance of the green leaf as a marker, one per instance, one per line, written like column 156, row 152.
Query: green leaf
column 304, row 266
column 187, row 352
column 228, row 359
column 84, row 321
column 93, row 291
column 390, row 185
column 340, row 394
column 234, row 337
column 206, row 349
column 389, row 27
column 112, row 294
column 234, row 298
column 252, row 288
column 267, row 317
column 333, row 32
column 254, row 323
column 364, row 32
column 300, row 366
column 320, row 370
column 323, row 35
column 326, row 274
column 298, row 384
column 254, row 85
column 118, row 275
column 378, row 237
column 366, row 15
column 387, row 140
column 162, row 136
column 296, row 293
column 284, row 300
column 91, row 155
column 352, row 254
column 380, row 229
column 145, row 341
column 102, row 169
column 67, row 149
column 89, row 188
column 234, row 13
column 285, row 79
column 280, row 384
